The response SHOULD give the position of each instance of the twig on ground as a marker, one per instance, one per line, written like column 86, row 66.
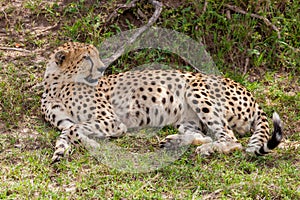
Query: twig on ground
column 267, row 22
column 141, row 14
column 204, row 6
column 5, row 15
column 289, row 46
column 38, row 86
column 213, row 195
column 14, row 49
column 228, row 14
column 246, row 66
column 156, row 14
column 124, row 6
column 148, row 183
column 158, row 9
column 195, row 194
column 42, row 31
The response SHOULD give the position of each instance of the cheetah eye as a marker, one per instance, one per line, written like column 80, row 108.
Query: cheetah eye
column 60, row 56
column 86, row 57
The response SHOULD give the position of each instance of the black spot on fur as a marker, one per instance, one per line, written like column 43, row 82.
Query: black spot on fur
column 148, row 120
column 171, row 99
column 205, row 110
column 153, row 99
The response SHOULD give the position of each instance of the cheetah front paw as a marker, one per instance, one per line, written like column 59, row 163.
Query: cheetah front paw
column 171, row 142
column 59, row 153
column 205, row 150
column 62, row 148
column 57, row 156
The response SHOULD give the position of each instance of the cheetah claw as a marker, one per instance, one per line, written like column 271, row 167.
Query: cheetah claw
column 56, row 158
column 170, row 143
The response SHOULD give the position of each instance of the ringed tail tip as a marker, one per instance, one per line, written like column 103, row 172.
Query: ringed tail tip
column 277, row 133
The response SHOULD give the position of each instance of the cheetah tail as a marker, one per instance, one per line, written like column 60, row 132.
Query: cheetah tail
column 276, row 138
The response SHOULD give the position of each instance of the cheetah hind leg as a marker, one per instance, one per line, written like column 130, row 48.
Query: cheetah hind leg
column 225, row 143
column 189, row 134
column 218, row 146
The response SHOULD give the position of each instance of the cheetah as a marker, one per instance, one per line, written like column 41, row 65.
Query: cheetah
column 207, row 110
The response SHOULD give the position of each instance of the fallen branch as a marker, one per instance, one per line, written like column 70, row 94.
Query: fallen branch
column 41, row 32
column 15, row 49
column 246, row 66
column 124, row 6
column 147, row 184
column 204, row 6
column 267, row 22
column 152, row 20
column 5, row 15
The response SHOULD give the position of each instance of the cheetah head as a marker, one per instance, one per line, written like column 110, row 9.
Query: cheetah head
column 75, row 62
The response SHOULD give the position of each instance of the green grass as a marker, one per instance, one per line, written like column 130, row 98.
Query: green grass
column 272, row 75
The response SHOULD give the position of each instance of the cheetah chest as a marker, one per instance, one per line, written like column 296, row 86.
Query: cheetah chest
column 80, row 101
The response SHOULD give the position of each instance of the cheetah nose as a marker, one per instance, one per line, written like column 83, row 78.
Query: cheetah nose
column 90, row 79
column 101, row 69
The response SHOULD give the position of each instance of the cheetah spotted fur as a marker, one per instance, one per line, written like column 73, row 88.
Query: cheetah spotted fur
column 207, row 110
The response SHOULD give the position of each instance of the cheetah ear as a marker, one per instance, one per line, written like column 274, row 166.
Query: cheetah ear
column 60, row 56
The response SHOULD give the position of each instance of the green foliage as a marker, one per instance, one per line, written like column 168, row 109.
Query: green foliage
column 272, row 75
column 15, row 100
